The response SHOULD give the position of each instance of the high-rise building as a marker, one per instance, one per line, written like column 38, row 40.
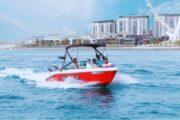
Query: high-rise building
column 103, row 27
column 170, row 19
column 133, row 25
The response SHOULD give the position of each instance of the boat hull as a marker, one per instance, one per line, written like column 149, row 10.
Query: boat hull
column 101, row 76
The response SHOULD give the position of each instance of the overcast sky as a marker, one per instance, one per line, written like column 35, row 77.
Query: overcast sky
column 22, row 19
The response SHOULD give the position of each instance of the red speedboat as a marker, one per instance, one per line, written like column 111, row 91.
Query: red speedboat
column 102, row 75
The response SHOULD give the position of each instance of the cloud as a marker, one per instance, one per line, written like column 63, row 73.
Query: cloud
column 171, row 7
column 14, row 22
column 88, row 9
column 83, row 9
column 168, row 7
column 67, row 31
column 45, row 16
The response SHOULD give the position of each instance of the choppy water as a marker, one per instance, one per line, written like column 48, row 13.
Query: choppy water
column 147, row 86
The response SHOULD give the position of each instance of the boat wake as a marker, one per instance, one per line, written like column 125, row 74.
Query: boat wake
column 121, row 78
column 39, row 79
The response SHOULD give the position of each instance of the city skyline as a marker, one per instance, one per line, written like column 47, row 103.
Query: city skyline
column 20, row 20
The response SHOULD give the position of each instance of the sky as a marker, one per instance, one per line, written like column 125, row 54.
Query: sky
column 23, row 19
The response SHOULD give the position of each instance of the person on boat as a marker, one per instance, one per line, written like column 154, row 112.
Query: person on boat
column 74, row 64
column 94, row 63
column 89, row 64
column 99, row 62
column 107, row 63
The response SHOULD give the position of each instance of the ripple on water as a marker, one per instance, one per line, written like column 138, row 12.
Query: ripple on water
column 11, row 97
column 15, row 77
column 176, row 74
column 143, row 71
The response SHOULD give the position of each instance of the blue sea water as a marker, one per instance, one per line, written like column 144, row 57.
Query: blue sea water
column 147, row 87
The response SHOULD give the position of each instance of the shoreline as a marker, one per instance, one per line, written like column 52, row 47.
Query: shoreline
column 108, row 48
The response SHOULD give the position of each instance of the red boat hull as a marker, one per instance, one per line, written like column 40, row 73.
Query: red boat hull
column 101, row 77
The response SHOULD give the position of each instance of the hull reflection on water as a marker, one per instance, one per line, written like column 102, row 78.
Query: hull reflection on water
column 101, row 97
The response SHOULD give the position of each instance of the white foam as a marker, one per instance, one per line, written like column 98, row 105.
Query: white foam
column 124, row 79
column 39, row 79
column 68, row 83
column 24, row 74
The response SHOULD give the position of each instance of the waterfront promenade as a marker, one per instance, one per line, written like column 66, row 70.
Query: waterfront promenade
column 110, row 47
